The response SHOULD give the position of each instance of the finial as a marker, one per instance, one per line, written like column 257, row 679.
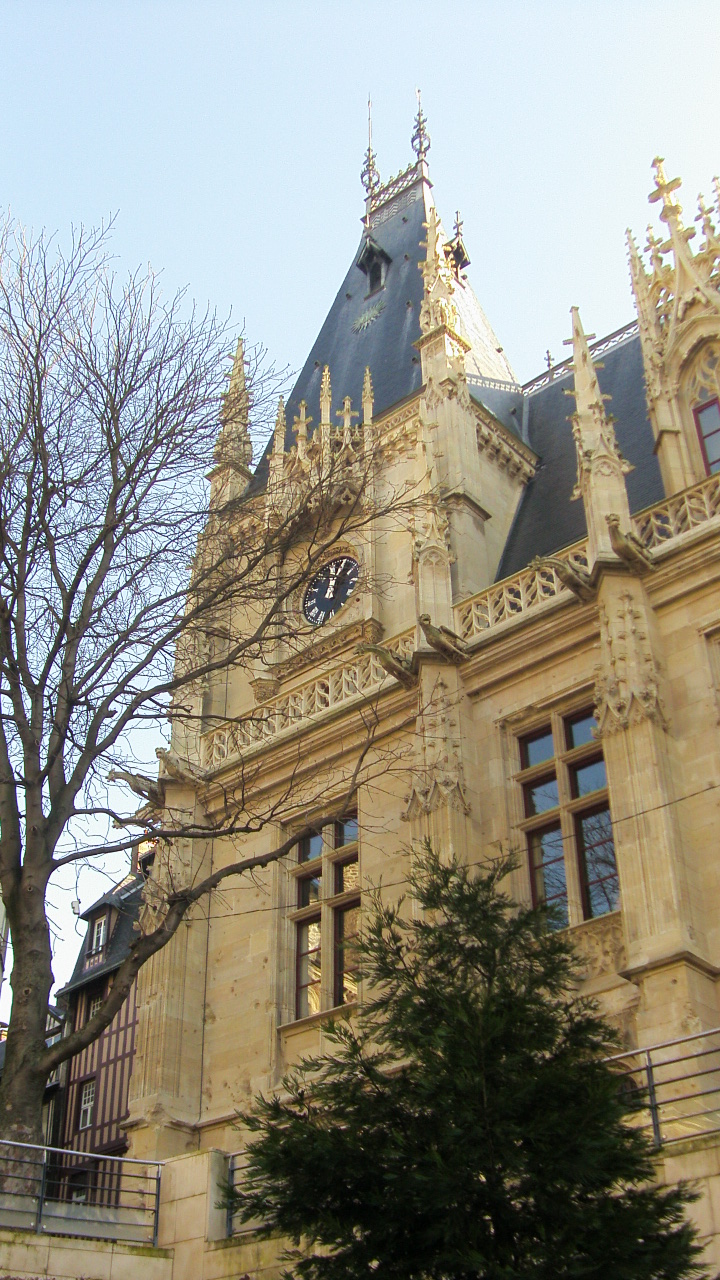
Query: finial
column 347, row 413
column 279, row 437
column 300, row 426
column 705, row 219
column 548, row 359
column 458, row 225
column 367, row 397
column 325, row 396
column 587, row 389
column 420, row 140
column 663, row 191
column 234, row 442
column 370, row 177
column 654, row 248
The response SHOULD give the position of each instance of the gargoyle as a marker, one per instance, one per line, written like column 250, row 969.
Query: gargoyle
column 628, row 546
column 570, row 575
column 403, row 669
column 150, row 789
column 444, row 641
column 184, row 772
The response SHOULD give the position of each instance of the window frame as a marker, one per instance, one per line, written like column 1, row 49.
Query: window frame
column 100, row 922
column 327, row 908
column 697, row 409
column 565, row 815
column 83, row 1106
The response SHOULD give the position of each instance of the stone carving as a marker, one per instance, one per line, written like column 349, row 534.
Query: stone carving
column 503, row 451
column 361, row 676
column 432, row 535
column 438, row 777
column 679, row 284
column 516, row 597
column 601, row 946
column 703, row 377
column 627, row 685
column 437, row 308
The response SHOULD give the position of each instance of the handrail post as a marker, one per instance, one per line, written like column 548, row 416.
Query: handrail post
column 156, row 1212
column 652, row 1098
column 41, row 1196
column 231, row 1186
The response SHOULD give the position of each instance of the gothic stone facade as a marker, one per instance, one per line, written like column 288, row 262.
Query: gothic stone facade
column 537, row 644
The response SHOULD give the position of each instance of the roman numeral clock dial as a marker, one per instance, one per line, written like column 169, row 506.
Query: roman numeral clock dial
column 329, row 589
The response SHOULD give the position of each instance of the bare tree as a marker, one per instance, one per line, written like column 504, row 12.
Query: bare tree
column 109, row 406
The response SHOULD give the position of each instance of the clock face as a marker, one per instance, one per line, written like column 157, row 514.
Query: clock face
column 329, row 589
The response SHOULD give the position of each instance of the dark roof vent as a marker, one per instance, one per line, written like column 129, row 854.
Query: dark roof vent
column 373, row 262
column 455, row 250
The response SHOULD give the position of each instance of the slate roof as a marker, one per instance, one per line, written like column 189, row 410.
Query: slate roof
column 547, row 518
column 379, row 331
column 350, row 340
column 126, row 899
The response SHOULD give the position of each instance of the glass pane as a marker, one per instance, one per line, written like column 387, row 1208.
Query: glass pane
column 548, row 870
column 709, row 418
column 579, row 730
column 347, row 925
column 308, row 891
column 310, row 847
column 347, row 876
column 597, row 849
column 540, row 796
column 346, row 832
column 308, row 968
column 712, row 447
column 536, row 747
column 588, row 777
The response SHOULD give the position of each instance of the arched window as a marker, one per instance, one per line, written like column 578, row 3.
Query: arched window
column 703, row 392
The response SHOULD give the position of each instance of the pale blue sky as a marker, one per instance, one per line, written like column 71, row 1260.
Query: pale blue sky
column 229, row 138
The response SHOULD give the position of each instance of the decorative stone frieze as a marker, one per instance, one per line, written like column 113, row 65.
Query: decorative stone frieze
column 438, row 777
column 600, row 945
column 627, row 686
column 502, row 450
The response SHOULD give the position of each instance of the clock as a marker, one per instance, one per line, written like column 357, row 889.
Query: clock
column 329, row 589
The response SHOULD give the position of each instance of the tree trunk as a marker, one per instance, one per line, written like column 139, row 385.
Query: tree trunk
column 22, row 1086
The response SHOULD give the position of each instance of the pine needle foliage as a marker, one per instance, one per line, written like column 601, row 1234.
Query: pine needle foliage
column 464, row 1124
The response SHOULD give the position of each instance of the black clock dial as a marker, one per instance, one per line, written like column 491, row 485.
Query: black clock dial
column 329, row 589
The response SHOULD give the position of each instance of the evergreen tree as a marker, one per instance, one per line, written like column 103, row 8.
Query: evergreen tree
column 464, row 1124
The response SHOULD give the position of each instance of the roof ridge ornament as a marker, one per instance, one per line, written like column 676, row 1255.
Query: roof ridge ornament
column 420, row 140
column 370, row 176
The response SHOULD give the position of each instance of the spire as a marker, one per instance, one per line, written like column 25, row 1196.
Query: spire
column 300, row 429
column 233, row 445
column 325, row 397
column 279, row 434
column 369, row 176
column 690, row 282
column 437, row 307
column 367, row 398
column 347, row 413
column 420, row 140
column 601, row 469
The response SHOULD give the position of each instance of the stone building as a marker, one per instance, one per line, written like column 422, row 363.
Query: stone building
column 537, row 644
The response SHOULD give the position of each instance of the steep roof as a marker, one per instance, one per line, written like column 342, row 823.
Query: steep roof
column 126, row 899
column 378, row 329
column 548, row 518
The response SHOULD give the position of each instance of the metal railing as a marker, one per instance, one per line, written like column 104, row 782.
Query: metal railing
column 73, row 1193
column 675, row 1086
column 237, row 1164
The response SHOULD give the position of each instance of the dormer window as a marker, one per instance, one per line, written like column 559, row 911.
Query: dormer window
column 99, row 934
column 373, row 262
